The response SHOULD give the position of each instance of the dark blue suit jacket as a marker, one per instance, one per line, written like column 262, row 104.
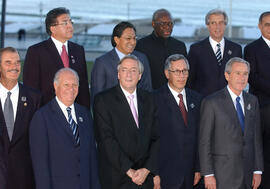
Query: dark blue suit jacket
column 57, row 162
column 104, row 74
column 178, row 156
column 206, row 75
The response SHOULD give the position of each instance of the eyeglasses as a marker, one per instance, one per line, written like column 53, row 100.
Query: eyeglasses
column 64, row 23
column 163, row 24
column 132, row 70
column 178, row 72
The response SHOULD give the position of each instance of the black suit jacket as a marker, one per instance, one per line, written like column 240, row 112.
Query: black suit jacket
column 42, row 61
column 121, row 145
column 257, row 54
column 178, row 157
column 206, row 75
column 104, row 74
column 157, row 50
column 17, row 152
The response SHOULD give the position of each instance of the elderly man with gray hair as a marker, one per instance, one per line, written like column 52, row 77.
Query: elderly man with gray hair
column 230, row 141
column 62, row 143
column 208, row 57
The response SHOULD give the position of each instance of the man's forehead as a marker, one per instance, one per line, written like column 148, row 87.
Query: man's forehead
column 63, row 17
column 163, row 15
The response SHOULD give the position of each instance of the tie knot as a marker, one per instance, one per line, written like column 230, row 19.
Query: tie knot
column 68, row 109
column 180, row 96
column 238, row 99
column 8, row 94
column 63, row 47
column 218, row 45
column 131, row 97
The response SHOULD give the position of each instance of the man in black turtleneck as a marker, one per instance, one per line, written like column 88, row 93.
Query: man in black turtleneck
column 159, row 45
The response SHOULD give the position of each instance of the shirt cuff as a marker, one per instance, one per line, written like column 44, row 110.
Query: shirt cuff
column 209, row 175
column 257, row 172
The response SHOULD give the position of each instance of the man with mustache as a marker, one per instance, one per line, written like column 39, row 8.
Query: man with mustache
column 208, row 57
column 44, row 59
column 18, row 105
column 159, row 45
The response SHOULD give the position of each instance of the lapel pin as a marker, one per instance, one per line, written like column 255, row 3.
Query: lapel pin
column 192, row 105
column 248, row 107
column 23, row 98
column 72, row 59
column 25, row 104
column 80, row 119
column 229, row 52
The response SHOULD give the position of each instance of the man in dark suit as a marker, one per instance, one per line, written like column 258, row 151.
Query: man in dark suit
column 18, row 105
column 159, row 45
column 3, row 168
column 44, row 59
column 126, row 130
column 257, row 54
column 104, row 72
column 230, row 142
column 178, row 118
column 62, row 143
column 208, row 57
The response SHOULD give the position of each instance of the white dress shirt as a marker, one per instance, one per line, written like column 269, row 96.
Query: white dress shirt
column 63, row 107
column 59, row 45
column 266, row 41
column 119, row 53
column 127, row 94
column 214, row 45
column 177, row 99
column 14, row 97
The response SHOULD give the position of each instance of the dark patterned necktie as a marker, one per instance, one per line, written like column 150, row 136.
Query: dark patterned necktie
column 218, row 53
column 183, row 108
column 240, row 114
column 9, row 115
column 73, row 126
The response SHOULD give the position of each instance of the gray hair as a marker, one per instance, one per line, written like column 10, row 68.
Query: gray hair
column 216, row 11
column 175, row 57
column 62, row 70
column 228, row 66
column 133, row 57
column 7, row 49
column 160, row 11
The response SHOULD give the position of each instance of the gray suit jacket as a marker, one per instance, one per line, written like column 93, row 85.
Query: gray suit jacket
column 223, row 149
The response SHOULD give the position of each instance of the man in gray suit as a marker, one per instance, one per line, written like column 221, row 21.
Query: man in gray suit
column 230, row 144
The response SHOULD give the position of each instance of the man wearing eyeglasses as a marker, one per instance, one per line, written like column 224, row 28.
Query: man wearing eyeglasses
column 44, row 59
column 208, row 57
column 178, row 118
column 159, row 45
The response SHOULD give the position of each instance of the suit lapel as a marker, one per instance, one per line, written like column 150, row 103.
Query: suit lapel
column 208, row 49
column 230, row 109
column 190, row 106
column 60, row 118
column 54, row 53
column 248, row 109
column 20, row 126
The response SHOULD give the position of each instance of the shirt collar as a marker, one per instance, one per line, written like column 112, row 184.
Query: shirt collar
column 126, row 93
column 175, row 94
column 233, row 95
column 63, row 106
column 120, row 54
column 266, row 41
column 5, row 90
column 59, row 45
column 214, row 43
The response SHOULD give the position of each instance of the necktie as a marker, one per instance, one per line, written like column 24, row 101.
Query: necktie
column 183, row 108
column 9, row 115
column 133, row 109
column 73, row 126
column 64, row 57
column 240, row 113
column 218, row 53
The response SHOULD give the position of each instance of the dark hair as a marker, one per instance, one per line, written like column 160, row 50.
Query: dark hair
column 158, row 12
column 7, row 49
column 52, row 16
column 118, row 30
column 267, row 13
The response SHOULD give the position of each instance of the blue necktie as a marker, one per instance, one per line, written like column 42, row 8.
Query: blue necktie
column 73, row 126
column 240, row 113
